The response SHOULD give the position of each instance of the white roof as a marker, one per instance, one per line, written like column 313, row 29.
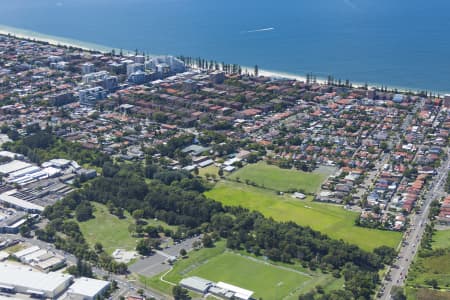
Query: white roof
column 25, row 171
column 35, row 255
column 50, row 171
column 13, row 166
column 88, row 287
column 33, row 280
column 9, row 154
column 6, row 197
column 26, row 251
column 238, row 292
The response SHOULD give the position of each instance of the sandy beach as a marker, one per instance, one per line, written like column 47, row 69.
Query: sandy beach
column 53, row 40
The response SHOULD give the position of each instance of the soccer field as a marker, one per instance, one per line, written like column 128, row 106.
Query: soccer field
column 329, row 219
column 267, row 280
column 275, row 178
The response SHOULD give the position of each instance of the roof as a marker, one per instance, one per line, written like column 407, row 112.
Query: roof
column 196, row 283
column 26, row 251
column 88, row 287
column 8, row 198
column 17, row 276
column 13, row 166
column 238, row 292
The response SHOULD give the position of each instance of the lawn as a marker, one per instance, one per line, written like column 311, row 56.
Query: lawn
column 267, row 280
column 327, row 218
column 428, row 268
column 211, row 169
column 275, row 178
column 441, row 239
column 111, row 231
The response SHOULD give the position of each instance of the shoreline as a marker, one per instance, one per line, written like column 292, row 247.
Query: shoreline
column 62, row 41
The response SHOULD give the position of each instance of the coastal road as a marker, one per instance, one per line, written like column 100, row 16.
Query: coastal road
column 413, row 236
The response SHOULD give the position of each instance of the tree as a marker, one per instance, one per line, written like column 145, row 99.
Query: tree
column 143, row 247
column 180, row 293
column 98, row 247
column 397, row 293
column 83, row 212
column 207, row 241
column 183, row 252
column 138, row 214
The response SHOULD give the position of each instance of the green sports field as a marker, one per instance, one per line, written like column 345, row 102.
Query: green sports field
column 330, row 219
column 275, row 178
column 269, row 281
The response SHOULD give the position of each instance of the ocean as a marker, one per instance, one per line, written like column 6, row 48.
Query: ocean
column 398, row 43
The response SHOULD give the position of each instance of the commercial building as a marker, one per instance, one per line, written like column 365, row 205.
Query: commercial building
column 22, row 280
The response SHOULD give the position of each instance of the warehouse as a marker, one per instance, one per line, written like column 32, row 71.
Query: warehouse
column 15, row 279
column 10, row 200
column 87, row 289
column 13, row 166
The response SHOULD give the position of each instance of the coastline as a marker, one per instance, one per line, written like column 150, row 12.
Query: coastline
column 62, row 41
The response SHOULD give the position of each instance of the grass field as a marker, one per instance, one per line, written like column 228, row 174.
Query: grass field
column 111, row 231
column 426, row 294
column 269, row 281
column 275, row 178
column 329, row 219
column 212, row 169
column 428, row 268
column 441, row 239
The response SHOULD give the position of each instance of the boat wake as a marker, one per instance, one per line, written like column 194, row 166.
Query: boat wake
column 259, row 30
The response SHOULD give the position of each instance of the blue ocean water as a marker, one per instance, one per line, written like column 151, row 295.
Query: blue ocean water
column 403, row 43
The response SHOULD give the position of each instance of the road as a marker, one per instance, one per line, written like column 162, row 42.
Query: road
column 413, row 236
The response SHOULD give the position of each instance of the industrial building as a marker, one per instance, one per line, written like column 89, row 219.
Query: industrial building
column 8, row 198
column 41, row 259
column 14, row 279
column 11, row 220
column 87, row 289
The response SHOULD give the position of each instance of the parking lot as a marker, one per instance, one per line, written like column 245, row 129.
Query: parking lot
column 157, row 263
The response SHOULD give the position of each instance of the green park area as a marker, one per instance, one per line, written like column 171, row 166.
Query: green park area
column 111, row 231
column 432, row 270
column 329, row 219
column 441, row 239
column 275, row 178
column 267, row 280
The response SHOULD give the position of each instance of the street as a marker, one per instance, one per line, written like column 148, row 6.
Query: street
column 413, row 235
